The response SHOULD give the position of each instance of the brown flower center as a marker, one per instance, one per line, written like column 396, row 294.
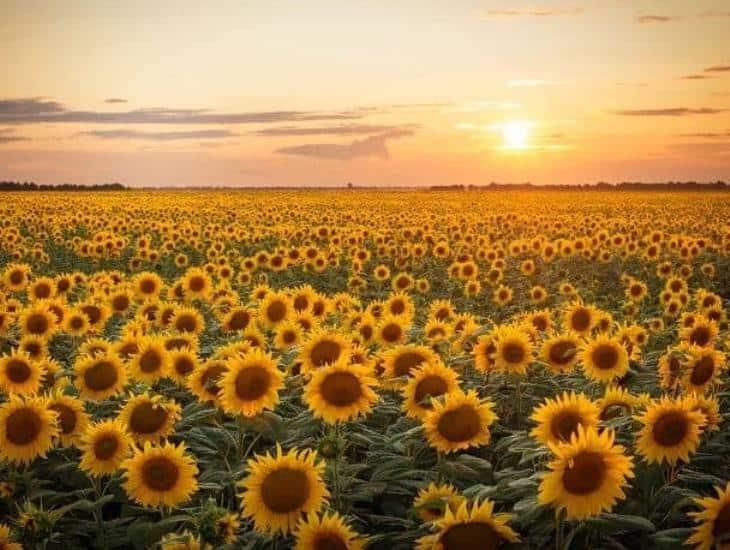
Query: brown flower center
column 562, row 352
column 252, row 383
column 584, row 474
column 276, row 311
column 101, row 376
column 37, row 324
column 239, row 320
column 160, row 473
column 460, row 424
column 328, row 541
column 106, row 446
column 341, row 389
column 564, row 424
column 513, row 352
column 325, row 351
column 285, row 490
column 150, row 361
column 702, row 371
column 17, row 371
column 430, row 386
column 700, row 336
column 407, row 361
column 186, row 323
column 23, row 426
column 473, row 535
column 670, row 429
column 721, row 525
column 605, row 356
column 581, row 320
column 66, row 417
column 147, row 418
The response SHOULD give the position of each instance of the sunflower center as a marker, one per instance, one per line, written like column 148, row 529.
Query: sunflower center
column 66, row 417
column 564, row 424
column 476, row 535
column 285, row 490
column 562, row 352
column 37, row 323
column 328, row 541
column 670, row 429
column 150, row 361
column 100, row 376
column 702, row 371
column 42, row 291
column 23, row 426
column 239, row 320
column 513, row 352
column 120, row 303
column 176, row 343
column 341, row 389
column 76, row 323
column 105, row 446
column 430, row 386
column 581, row 320
column 392, row 332
column 160, row 473
column 407, row 361
column 605, row 356
column 721, row 525
column 276, row 311
column 252, row 383
column 17, row 277
column 301, row 303
column 584, row 474
column 147, row 286
column 17, row 371
column 325, row 351
column 700, row 336
column 196, row 284
column 186, row 323
column 540, row 323
column 397, row 307
column 460, row 424
column 210, row 378
column 184, row 365
column 147, row 418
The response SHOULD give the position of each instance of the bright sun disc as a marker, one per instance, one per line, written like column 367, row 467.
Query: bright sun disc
column 515, row 135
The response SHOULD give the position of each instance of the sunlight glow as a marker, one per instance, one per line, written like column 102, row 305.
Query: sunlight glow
column 516, row 135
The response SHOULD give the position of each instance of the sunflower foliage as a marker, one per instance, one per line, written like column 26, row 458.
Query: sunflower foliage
column 364, row 370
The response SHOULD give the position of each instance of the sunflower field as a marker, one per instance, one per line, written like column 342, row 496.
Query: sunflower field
column 338, row 370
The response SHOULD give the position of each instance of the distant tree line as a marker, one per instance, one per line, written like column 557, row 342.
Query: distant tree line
column 599, row 186
column 32, row 186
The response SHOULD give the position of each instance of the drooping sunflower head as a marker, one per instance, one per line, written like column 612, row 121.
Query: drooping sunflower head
column 459, row 422
column 279, row 489
column 340, row 392
column 432, row 502
column 713, row 521
column 587, row 475
column 703, row 368
column 473, row 525
column 149, row 418
column 250, row 384
column 161, row 475
column 617, row 401
column 27, row 429
column 558, row 419
column 671, row 430
column 330, row 531
column 100, row 376
column 604, row 359
column 431, row 380
column 560, row 352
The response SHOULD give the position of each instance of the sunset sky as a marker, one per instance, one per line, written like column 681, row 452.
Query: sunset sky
column 397, row 92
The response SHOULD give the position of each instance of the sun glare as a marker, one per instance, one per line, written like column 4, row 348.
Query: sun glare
column 516, row 135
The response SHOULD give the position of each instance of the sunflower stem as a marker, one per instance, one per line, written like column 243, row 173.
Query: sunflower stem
column 559, row 542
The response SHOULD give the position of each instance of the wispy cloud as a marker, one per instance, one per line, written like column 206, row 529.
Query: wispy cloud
column 342, row 130
column 718, row 69
column 652, row 18
column 671, row 111
column 530, row 83
column 35, row 110
column 115, row 100
column 707, row 135
column 695, row 77
column 374, row 146
column 537, row 12
column 160, row 136
column 715, row 13
column 7, row 135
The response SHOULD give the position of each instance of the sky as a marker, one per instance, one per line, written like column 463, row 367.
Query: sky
column 373, row 92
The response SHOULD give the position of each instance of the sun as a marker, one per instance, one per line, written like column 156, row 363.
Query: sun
column 516, row 135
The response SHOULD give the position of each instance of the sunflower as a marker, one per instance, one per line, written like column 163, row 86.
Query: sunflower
column 484, row 353
column 6, row 542
column 149, row 418
column 275, row 308
column 43, row 288
column 402, row 360
column 147, row 285
column 237, row 319
column 710, row 409
column 121, row 300
column 558, row 419
column 513, row 350
column 713, row 521
column 702, row 332
column 340, row 392
column 204, row 381
column 188, row 319
column 35, row 347
column 27, row 429
column 303, row 297
column 432, row 502
column 703, row 368
column 391, row 330
column 400, row 305
column 288, row 335
column 560, row 352
column 461, row 421
column 436, row 331
column 250, row 384
column 670, row 432
column 278, row 489
column 473, row 525
column 604, row 359
column 19, row 374
column 76, row 323
column 38, row 320
column 327, row 532
column 587, row 475
column 432, row 380
column 16, row 277
column 183, row 362
column 72, row 418
column 324, row 348
column 97, row 313
column 104, row 446
column 100, row 376
column 181, row 541
column 152, row 362
column 579, row 318
column 617, row 401
column 160, row 475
